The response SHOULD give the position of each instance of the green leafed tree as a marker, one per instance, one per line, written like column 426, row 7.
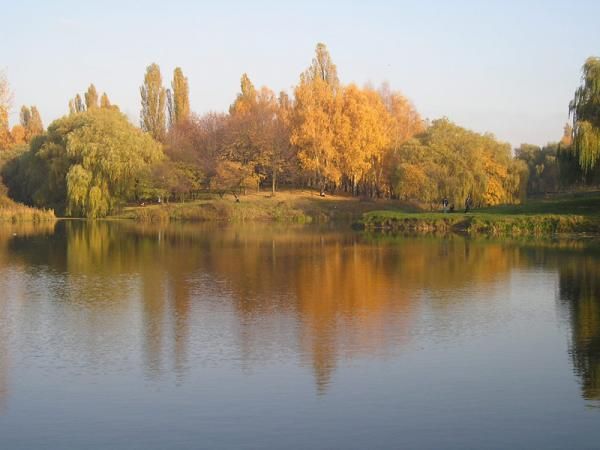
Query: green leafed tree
column 86, row 165
column 585, row 110
column 154, row 97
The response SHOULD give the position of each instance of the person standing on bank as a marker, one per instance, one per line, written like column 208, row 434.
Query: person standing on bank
column 445, row 204
column 468, row 203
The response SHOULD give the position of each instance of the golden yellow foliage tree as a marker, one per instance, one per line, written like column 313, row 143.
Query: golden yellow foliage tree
column 313, row 131
column 361, row 137
column 5, row 100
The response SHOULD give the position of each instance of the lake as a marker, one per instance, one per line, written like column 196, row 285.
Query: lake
column 115, row 335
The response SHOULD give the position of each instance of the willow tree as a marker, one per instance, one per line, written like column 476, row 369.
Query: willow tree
column 585, row 110
column 449, row 161
column 85, row 165
column 154, row 97
column 181, row 96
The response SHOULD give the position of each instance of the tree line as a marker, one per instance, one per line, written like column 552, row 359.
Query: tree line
column 327, row 136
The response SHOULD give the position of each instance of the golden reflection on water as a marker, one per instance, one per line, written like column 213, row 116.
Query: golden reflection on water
column 321, row 293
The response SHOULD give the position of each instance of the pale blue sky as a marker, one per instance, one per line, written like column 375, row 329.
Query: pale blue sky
column 507, row 67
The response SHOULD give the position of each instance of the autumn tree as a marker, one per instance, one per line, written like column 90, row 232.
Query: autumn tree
column 105, row 101
column 231, row 176
column 170, row 110
column 153, row 96
column 31, row 121
column 18, row 135
column 91, row 97
column 181, row 96
column 78, row 103
column 25, row 116
column 323, row 68
column 282, row 156
column 361, row 137
column 244, row 138
column 36, row 127
column 313, row 130
column 5, row 101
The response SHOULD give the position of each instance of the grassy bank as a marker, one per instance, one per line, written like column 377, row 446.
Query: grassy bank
column 296, row 206
column 547, row 216
column 12, row 212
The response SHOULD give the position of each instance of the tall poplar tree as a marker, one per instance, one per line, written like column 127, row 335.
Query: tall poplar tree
column 31, row 122
column 154, row 96
column 181, row 96
column 79, row 105
column 323, row 68
column 104, row 101
column 36, row 127
column 5, row 100
column 170, row 109
column 25, row 116
column 91, row 97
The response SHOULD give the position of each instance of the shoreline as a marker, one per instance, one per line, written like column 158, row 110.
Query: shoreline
column 481, row 223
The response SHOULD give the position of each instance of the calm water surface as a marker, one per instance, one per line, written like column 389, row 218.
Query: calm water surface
column 118, row 336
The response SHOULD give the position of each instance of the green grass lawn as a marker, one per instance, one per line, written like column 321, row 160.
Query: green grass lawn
column 568, row 213
column 582, row 204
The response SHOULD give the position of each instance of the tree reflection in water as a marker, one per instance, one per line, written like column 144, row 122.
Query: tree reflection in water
column 580, row 293
column 181, row 296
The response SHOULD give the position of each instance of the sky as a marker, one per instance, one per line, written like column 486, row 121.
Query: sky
column 505, row 67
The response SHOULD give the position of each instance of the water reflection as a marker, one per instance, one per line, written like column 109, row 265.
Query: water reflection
column 12, row 290
column 580, row 293
column 252, row 295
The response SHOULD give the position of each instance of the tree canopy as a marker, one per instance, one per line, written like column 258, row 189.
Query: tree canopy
column 324, row 135
column 154, row 97
column 585, row 109
column 85, row 165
